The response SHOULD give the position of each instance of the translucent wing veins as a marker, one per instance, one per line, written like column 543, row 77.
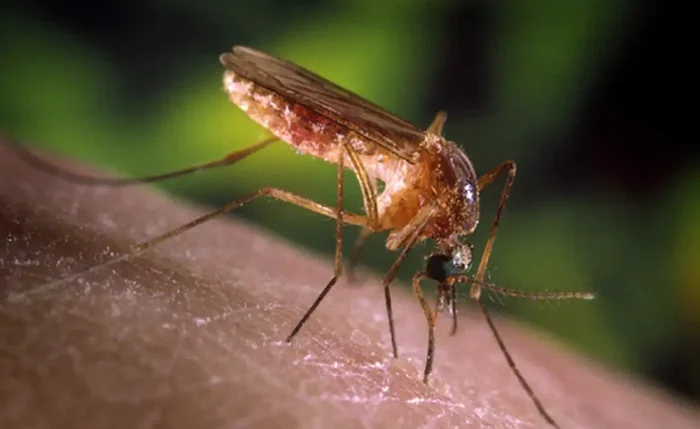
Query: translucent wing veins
column 326, row 98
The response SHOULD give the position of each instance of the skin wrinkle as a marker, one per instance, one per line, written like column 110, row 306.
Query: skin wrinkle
column 191, row 333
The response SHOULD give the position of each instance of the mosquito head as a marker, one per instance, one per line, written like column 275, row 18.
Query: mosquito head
column 451, row 262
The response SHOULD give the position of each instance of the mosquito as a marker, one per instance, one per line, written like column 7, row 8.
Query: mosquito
column 431, row 190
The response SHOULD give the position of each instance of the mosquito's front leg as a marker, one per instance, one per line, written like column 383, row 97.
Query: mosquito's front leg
column 475, row 291
column 485, row 180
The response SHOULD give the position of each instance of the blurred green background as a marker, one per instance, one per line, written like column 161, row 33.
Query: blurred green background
column 586, row 96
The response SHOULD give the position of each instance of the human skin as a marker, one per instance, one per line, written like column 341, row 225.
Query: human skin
column 191, row 333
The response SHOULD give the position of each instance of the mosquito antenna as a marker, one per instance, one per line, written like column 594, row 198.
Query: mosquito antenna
column 544, row 296
column 496, row 296
column 47, row 167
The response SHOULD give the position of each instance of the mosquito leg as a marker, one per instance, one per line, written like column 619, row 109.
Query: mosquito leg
column 279, row 194
column 365, row 233
column 485, row 180
column 515, row 369
column 275, row 193
column 367, row 187
column 407, row 237
column 437, row 124
column 535, row 296
column 338, row 260
column 431, row 318
column 475, row 291
column 45, row 166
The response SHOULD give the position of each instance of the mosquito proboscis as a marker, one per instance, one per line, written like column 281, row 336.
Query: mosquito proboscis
column 431, row 190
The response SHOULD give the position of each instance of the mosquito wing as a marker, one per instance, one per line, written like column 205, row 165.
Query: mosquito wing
column 310, row 90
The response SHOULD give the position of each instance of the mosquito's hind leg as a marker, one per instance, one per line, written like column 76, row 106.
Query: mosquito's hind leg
column 47, row 167
column 279, row 194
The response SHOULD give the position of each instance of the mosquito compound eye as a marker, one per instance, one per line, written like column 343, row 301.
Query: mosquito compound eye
column 468, row 192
